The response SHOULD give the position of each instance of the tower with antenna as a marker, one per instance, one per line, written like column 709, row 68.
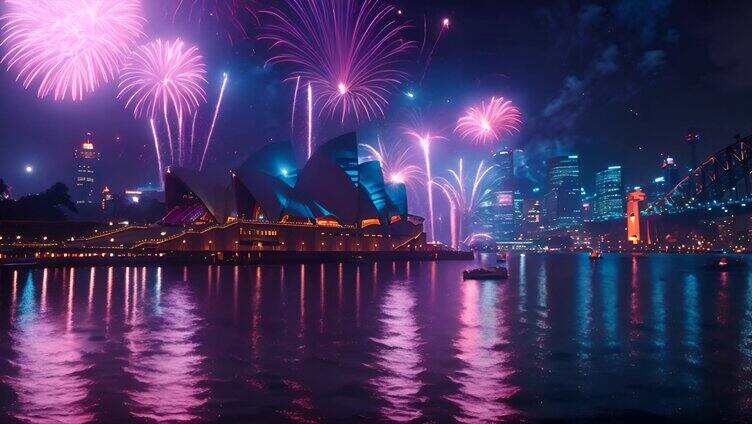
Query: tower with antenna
column 693, row 139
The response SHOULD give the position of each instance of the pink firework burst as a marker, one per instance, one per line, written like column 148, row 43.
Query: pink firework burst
column 486, row 123
column 68, row 47
column 163, row 76
column 398, row 163
column 348, row 50
column 230, row 15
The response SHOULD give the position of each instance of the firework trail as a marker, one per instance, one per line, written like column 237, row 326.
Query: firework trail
column 397, row 163
column 424, row 140
column 214, row 121
column 68, row 47
column 466, row 199
column 487, row 122
column 156, row 148
column 444, row 26
column 310, row 120
column 230, row 15
column 349, row 51
column 294, row 105
column 476, row 237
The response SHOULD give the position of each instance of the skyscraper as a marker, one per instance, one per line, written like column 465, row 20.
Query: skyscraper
column 609, row 197
column 563, row 200
column 86, row 158
column 503, row 228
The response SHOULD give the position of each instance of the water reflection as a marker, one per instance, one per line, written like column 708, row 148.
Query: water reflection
column 482, row 346
column 165, row 361
column 398, row 357
column 49, row 380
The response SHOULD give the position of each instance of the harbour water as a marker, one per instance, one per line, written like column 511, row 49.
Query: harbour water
column 632, row 337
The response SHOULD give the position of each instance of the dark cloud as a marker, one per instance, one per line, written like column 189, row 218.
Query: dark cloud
column 729, row 45
column 644, row 16
column 651, row 61
column 606, row 63
column 590, row 14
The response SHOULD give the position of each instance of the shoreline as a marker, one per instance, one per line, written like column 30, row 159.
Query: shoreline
column 141, row 258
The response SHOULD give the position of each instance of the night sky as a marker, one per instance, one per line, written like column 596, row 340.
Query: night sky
column 617, row 83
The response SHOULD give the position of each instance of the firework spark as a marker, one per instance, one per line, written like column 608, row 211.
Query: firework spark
column 397, row 164
column 231, row 15
column 69, row 47
column 487, row 122
column 213, row 122
column 424, row 140
column 166, row 77
column 466, row 200
column 348, row 50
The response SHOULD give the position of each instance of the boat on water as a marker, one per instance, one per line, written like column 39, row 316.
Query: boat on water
column 595, row 254
column 493, row 273
column 725, row 264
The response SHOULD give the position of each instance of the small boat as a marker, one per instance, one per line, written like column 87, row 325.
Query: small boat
column 725, row 264
column 595, row 254
column 493, row 273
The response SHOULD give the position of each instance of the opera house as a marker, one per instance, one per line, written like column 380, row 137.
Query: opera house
column 332, row 203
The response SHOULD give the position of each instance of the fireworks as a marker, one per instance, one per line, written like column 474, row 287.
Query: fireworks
column 231, row 15
column 164, row 77
column 464, row 200
column 486, row 123
column 213, row 122
column 348, row 50
column 68, row 47
column 397, row 164
column 425, row 139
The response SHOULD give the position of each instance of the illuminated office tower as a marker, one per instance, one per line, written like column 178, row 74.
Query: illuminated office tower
column 562, row 203
column 503, row 196
column 609, row 197
column 86, row 159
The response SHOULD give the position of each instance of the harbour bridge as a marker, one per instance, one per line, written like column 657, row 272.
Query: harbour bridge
column 721, row 180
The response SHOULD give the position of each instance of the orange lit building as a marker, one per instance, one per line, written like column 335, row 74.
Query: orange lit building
column 633, row 215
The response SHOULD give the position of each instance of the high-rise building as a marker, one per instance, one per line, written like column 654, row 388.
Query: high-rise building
column 503, row 196
column 609, row 195
column 86, row 159
column 562, row 203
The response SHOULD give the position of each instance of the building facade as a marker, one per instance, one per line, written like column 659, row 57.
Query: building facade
column 609, row 194
column 562, row 203
column 85, row 190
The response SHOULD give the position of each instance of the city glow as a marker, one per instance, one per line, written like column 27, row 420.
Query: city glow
column 487, row 122
column 349, row 50
column 69, row 48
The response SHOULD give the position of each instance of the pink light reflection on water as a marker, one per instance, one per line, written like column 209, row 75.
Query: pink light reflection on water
column 49, row 382
column 165, row 360
column 482, row 380
column 398, row 355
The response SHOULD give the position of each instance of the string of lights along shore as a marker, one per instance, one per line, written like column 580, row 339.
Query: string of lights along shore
column 474, row 165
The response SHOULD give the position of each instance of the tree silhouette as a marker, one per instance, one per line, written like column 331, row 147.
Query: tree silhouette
column 44, row 206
